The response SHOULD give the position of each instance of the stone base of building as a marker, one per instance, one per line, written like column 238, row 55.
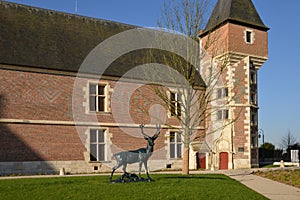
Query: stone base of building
column 77, row 167
column 50, row 167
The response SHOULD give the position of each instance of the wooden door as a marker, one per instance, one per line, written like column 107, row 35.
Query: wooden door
column 223, row 160
column 201, row 161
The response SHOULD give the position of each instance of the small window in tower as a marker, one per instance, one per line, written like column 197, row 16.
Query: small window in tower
column 253, row 98
column 253, row 141
column 254, row 119
column 248, row 37
column 222, row 93
column 222, row 114
column 253, row 77
column 252, row 66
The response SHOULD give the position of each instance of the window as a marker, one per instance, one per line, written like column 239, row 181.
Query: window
column 253, row 119
column 175, row 104
column 253, row 98
column 222, row 114
column 97, row 145
column 253, row 78
column 241, row 149
column 248, row 36
column 252, row 66
column 97, row 97
column 175, row 145
column 254, row 141
column 222, row 92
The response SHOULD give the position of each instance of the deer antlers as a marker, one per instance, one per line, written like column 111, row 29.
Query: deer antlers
column 158, row 128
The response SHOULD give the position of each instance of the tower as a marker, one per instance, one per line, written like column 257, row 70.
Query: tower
column 241, row 36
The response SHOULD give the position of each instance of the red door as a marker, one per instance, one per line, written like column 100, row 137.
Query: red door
column 201, row 161
column 223, row 160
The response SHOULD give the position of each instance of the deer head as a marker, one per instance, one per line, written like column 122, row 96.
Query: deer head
column 148, row 138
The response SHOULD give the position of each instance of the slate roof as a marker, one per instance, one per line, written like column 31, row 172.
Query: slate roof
column 240, row 12
column 47, row 39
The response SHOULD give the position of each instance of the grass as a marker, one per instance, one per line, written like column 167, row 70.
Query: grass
column 208, row 186
column 290, row 177
column 270, row 166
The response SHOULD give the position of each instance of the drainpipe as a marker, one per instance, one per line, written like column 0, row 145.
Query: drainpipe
column 232, row 153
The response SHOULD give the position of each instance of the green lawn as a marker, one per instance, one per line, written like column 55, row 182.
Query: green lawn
column 98, row 187
column 290, row 177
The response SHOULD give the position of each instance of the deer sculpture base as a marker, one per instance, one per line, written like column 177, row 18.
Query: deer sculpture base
column 130, row 177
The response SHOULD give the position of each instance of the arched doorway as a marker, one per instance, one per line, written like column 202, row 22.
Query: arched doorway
column 223, row 160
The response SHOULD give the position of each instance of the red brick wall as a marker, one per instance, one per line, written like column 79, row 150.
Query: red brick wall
column 236, row 41
column 231, row 37
column 41, row 96
column 35, row 96
column 241, row 97
column 24, row 142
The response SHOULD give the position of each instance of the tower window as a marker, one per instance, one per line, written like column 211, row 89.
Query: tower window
column 253, row 78
column 253, row 98
column 222, row 92
column 249, row 37
column 254, row 141
column 222, row 115
column 253, row 119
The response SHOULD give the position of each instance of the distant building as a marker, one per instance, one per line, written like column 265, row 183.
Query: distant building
column 40, row 55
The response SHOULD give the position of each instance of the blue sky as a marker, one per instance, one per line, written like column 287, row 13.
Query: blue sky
column 279, row 79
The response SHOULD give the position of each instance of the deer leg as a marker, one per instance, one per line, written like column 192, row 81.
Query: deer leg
column 146, row 168
column 124, row 168
column 114, row 169
column 140, row 168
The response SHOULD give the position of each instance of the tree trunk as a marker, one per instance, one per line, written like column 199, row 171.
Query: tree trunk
column 185, row 159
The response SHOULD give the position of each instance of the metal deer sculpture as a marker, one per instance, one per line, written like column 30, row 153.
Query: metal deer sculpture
column 139, row 155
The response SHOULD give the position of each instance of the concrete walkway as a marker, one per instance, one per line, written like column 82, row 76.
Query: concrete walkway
column 270, row 189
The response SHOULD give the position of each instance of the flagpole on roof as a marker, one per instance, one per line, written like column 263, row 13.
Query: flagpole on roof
column 76, row 6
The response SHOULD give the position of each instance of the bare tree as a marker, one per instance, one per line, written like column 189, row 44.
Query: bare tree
column 186, row 97
column 288, row 140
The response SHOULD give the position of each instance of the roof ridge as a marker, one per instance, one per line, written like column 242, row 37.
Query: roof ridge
column 51, row 11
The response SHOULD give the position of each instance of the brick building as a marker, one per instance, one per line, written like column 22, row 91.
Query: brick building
column 243, row 40
column 45, row 127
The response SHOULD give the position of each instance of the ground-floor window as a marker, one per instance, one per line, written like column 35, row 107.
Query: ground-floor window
column 175, row 144
column 97, row 145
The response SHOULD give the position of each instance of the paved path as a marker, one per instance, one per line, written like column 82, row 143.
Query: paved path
column 270, row 189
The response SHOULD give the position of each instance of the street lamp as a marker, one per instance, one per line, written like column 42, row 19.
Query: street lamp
column 261, row 134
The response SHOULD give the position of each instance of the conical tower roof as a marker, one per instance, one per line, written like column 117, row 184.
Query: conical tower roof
column 240, row 12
